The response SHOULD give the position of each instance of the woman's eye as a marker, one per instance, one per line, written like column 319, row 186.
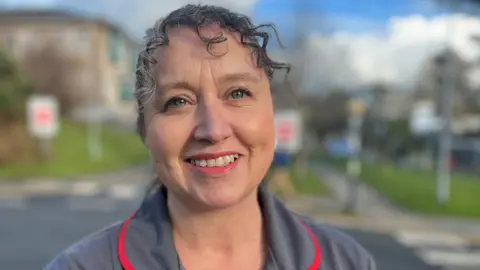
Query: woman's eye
column 175, row 102
column 239, row 93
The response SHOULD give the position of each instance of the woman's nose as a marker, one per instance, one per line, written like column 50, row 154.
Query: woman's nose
column 212, row 123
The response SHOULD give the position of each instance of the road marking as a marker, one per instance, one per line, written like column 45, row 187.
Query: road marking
column 451, row 258
column 124, row 191
column 430, row 238
column 13, row 202
column 91, row 204
column 44, row 186
column 85, row 188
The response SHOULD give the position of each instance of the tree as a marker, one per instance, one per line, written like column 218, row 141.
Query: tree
column 430, row 83
column 15, row 142
column 284, row 95
column 14, row 91
column 56, row 72
column 374, row 124
column 326, row 114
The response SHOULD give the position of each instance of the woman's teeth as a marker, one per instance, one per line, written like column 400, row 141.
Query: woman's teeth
column 218, row 162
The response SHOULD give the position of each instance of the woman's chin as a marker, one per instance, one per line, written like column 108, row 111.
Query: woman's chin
column 217, row 199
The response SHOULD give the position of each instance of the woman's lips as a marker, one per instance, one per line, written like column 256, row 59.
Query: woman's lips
column 214, row 165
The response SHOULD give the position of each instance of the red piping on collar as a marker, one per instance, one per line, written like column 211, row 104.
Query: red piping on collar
column 318, row 252
column 126, row 265
column 122, row 253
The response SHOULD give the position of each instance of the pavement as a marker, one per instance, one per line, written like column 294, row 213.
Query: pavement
column 75, row 186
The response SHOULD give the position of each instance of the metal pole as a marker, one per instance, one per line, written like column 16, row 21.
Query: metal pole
column 354, row 165
column 300, row 39
column 443, row 161
column 45, row 149
column 94, row 140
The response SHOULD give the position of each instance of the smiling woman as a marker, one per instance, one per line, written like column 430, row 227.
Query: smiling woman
column 206, row 117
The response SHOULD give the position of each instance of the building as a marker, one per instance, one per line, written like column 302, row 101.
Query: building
column 107, row 53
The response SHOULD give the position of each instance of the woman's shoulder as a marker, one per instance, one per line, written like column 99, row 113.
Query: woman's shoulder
column 340, row 248
column 95, row 251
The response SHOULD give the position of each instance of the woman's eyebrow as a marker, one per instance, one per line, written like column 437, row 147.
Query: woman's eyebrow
column 165, row 87
column 241, row 76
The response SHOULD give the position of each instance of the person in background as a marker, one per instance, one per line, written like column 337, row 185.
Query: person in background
column 206, row 117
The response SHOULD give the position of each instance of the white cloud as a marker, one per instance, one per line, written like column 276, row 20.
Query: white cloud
column 396, row 56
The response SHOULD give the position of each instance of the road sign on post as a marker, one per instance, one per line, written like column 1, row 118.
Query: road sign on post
column 288, row 131
column 423, row 118
column 43, row 120
column 356, row 109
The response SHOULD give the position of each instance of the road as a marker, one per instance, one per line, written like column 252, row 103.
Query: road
column 33, row 230
column 31, row 236
column 388, row 253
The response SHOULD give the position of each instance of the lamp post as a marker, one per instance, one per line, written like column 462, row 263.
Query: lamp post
column 445, row 141
column 354, row 166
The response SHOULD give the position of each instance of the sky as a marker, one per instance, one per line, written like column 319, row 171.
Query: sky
column 351, row 43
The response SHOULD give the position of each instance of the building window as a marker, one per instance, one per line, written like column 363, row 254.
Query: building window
column 126, row 91
column 114, row 47
column 134, row 60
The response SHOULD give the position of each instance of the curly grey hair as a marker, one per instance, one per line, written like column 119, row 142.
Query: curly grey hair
column 195, row 17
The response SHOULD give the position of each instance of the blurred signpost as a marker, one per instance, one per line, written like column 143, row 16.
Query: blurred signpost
column 445, row 140
column 94, row 116
column 95, row 148
column 43, row 121
column 356, row 109
column 445, row 137
column 288, row 131
column 288, row 143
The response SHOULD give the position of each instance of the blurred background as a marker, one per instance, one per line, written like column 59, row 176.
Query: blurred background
column 378, row 122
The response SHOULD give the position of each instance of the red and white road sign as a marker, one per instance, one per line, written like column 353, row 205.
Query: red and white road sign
column 288, row 127
column 42, row 116
column 284, row 131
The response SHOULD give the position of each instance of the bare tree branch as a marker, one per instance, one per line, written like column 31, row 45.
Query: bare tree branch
column 56, row 72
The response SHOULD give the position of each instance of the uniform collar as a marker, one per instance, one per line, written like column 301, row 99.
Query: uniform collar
column 146, row 239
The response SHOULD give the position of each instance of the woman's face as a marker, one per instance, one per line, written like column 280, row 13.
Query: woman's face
column 210, row 128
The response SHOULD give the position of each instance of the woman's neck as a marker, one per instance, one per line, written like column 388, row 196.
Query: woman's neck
column 223, row 230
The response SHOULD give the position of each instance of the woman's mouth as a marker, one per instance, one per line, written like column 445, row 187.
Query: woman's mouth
column 213, row 165
column 214, row 162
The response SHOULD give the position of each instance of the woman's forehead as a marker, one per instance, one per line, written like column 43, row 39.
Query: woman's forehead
column 187, row 51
